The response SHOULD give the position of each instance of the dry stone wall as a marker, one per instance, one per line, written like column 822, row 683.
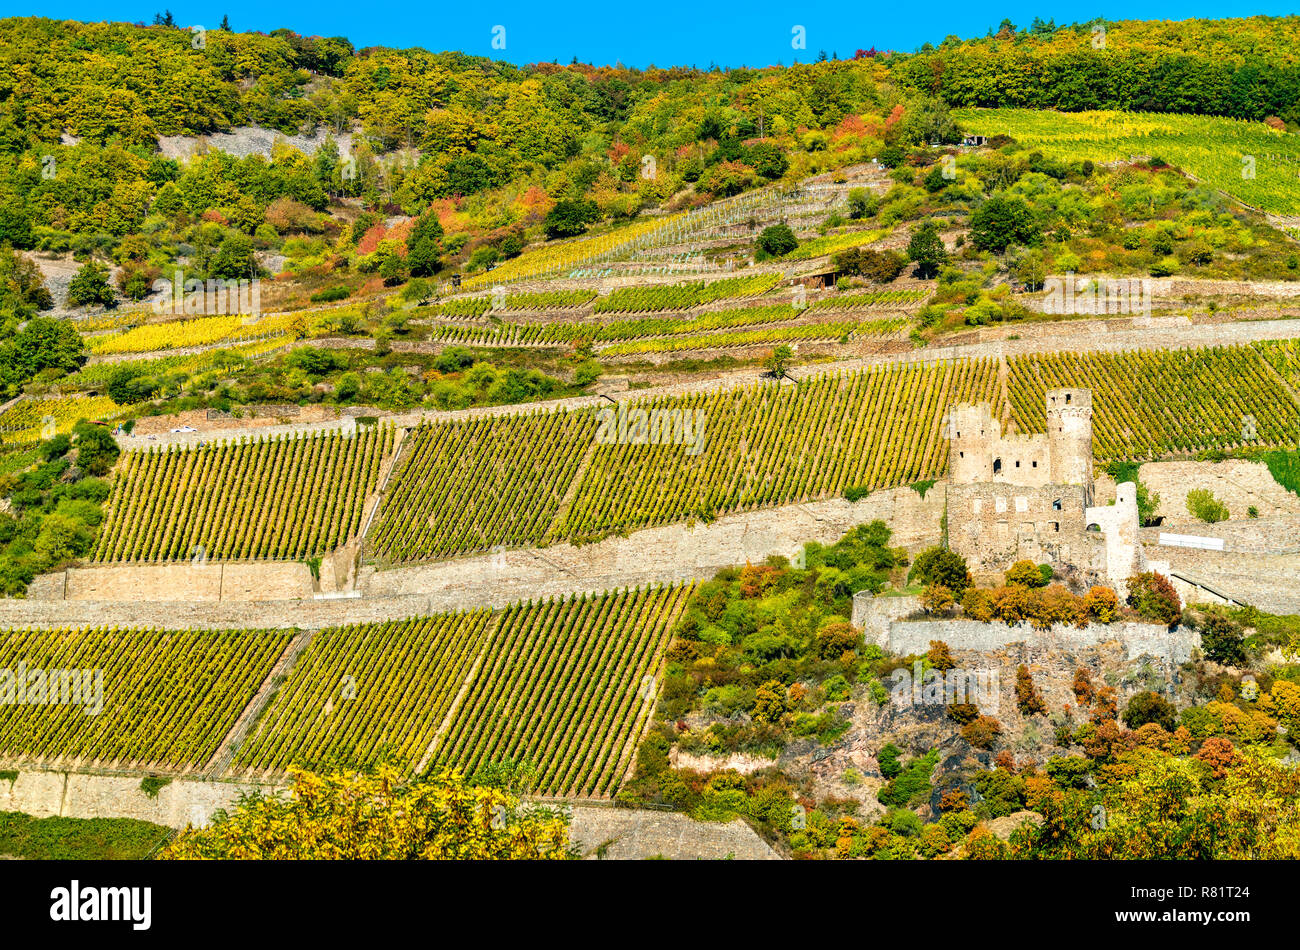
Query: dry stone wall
column 658, row 555
column 280, row 594
column 1138, row 639
column 48, row 794
column 1237, row 483
column 186, row 582
column 626, row 834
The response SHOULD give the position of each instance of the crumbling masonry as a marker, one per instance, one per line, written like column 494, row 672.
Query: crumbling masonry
column 1014, row 496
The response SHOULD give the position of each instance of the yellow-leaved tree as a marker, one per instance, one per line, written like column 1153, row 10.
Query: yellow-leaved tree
column 375, row 816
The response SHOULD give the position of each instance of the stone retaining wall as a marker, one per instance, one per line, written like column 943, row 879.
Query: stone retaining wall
column 279, row 594
column 44, row 794
column 1138, row 639
column 1113, row 335
column 1237, row 483
column 184, row 582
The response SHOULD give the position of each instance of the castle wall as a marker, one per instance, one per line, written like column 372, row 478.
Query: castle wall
column 1124, row 556
column 993, row 525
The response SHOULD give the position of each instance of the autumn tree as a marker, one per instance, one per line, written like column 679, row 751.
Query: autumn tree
column 940, row 656
column 1027, row 696
column 1154, row 598
column 937, row 599
column 1083, row 690
column 378, row 816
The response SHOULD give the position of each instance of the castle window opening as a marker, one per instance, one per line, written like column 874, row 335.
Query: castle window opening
column 1067, row 399
column 1056, row 526
column 997, row 466
column 1056, row 505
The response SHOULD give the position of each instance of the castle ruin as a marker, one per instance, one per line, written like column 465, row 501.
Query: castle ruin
column 1014, row 496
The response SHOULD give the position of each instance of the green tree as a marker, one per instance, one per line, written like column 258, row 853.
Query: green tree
column 97, row 450
column 1202, row 504
column 938, row 565
column 776, row 240
column 43, row 343
column 926, row 250
column 569, row 218
column 235, row 259
column 1002, row 221
column 1221, row 639
column 779, row 360
column 1148, row 707
column 90, row 286
column 424, row 245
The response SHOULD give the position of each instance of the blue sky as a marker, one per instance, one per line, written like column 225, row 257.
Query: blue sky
column 635, row 32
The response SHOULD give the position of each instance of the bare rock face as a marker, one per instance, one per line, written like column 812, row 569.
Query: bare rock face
column 849, row 769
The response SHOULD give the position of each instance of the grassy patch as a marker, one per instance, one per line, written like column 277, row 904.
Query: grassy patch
column 77, row 839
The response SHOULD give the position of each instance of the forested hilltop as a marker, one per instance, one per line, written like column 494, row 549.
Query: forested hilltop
column 500, row 142
column 1245, row 68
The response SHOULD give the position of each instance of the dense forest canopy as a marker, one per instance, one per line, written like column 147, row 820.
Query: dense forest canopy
column 1245, row 68
column 486, row 150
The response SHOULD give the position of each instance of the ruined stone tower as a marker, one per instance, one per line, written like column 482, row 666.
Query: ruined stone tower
column 979, row 451
column 1021, row 496
column 1069, row 436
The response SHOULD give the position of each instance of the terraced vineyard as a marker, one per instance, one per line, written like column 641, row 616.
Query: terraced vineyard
column 769, row 445
column 169, row 697
column 582, row 252
column 27, row 420
column 363, row 692
column 566, row 685
column 1211, row 148
column 841, row 330
column 683, row 296
column 470, row 485
column 189, row 364
column 1283, row 356
column 202, row 331
column 658, row 334
column 833, row 244
column 543, row 300
column 508, row 480
column 1152, row 402
column 871, row 300
column 279, row 497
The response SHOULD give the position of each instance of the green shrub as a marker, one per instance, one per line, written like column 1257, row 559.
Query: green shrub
column 1202, row 504
column 856, row 493
column 1148, row 707
column 330, row 294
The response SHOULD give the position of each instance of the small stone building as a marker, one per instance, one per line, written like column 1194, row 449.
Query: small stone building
column 1014, row 496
